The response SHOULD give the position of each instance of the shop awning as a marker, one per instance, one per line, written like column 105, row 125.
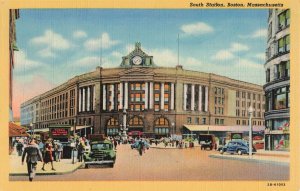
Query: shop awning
column 223, row 128
column 17, row 131
column 47, row 129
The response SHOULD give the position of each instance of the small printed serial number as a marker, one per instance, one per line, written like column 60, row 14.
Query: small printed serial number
column 275, row 184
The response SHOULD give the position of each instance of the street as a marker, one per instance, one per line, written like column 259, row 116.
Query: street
column 171, row 164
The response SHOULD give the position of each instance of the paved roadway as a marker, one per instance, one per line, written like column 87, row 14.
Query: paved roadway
column 173, row 164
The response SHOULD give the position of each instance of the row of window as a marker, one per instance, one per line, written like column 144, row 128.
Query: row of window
column 278, row 124
column 278, row 99
column 219, row 91
column 197, row 120
column 284, row 19
column 281, row 71
column 249, row 104
column 219, row 100
column 246, row 122
column 219, row 121
column 254, row 96
column 244, row 113
column 219, row 110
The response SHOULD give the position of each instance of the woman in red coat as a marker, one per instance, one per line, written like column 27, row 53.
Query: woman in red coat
column 48, row 157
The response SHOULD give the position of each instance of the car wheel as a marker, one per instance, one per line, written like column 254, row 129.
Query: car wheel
column 86, row 166
column 111, row 165
column 239, row 152
column 221, row 152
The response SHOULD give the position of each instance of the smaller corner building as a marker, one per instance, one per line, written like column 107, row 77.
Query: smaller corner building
column 159, row 101
column 277, row 87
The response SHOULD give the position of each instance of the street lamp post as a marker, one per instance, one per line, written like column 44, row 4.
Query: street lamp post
column 173, row 125
column 31, row 128
column 85, row 129
column 250, row 110
column 73, row 150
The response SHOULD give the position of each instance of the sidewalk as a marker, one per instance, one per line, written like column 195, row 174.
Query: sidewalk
column 63, row 167
column 258, row 158
column 162, row 146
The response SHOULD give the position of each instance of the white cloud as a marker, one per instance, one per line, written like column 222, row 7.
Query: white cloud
column 117, row 54
column 52, row 40
column 248, row 64
column 196, row 28
column 79, row 34
column 23, row 63
column 95, row 44
column 223, row 55
column 260, row 56
column 260, row 33
column 237, row 47
column 87, row 61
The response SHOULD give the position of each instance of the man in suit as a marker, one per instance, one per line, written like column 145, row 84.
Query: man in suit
column 33, row 156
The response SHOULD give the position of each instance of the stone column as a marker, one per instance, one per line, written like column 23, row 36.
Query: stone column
column 193, row 97
column 206, row 98
column 83, row 100
column 126, row 96
column 112, row 89
column 172, row 96
column 151, row 96
column 162, row 94
column 94, row 97
column 121, row 96
column 88, row 98
column 146, row 95
column 184, row 96
column 200, row 98
column 104, row 97
column 80, row 97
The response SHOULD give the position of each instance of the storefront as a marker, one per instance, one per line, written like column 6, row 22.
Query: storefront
column 277, row 136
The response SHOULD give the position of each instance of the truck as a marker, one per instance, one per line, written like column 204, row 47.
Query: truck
column 101, row 152
column 207, row 141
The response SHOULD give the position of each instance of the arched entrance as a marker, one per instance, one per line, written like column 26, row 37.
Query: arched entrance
column 136, row 124
column 162, row 127
column 112, row 127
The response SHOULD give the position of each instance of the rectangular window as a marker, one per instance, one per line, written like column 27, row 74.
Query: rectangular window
column 189, row 120
column 166, row 107
column 137, row 86
column 156, row 97
column 156, row 107
column 166, row 87
column 137, row 107
column 156, row 86
column 237, row 94
column 216, row 121
column 197, row 120
column 143, row 97
column 138, row 97
column 204, row 121
column 166, row 97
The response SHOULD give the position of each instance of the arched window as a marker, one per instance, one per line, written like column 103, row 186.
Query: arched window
column 112, row 122
column 136, row 121
column 162, row 126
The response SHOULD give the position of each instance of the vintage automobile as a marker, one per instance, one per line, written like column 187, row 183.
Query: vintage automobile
column 207, row 141
column 136, row 143
column 101, row 152
column 236, row 147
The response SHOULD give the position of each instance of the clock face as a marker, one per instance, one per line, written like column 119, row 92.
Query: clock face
column 137, row 60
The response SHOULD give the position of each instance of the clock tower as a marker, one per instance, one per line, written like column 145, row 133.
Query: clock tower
column 137, row 58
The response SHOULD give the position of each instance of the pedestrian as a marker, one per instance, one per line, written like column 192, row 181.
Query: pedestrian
column 41, row 147
column 48, row 157
column 33, row 156
column 80, row 149
column 140, row 147
column 60, row 151
column 19, row 148
column 115, row 143
column 177, row 143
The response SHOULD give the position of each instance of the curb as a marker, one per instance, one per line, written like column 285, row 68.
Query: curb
column 48, row 173
column 250, row 160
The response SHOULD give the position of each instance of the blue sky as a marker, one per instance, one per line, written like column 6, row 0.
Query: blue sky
column 56, row 45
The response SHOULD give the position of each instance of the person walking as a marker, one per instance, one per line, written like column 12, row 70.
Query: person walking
column 59, row 151
column 48, row 157
column 80, row 150
column 19, row 148
column 115, row 143
column 33, row 155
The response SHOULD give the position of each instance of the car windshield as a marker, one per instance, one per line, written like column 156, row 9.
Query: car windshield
column 100, row 146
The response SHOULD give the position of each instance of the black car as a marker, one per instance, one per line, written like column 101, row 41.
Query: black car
column 240, row 147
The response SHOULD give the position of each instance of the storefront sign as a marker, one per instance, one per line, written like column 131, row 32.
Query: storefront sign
column 59, row 132
column 236, row 135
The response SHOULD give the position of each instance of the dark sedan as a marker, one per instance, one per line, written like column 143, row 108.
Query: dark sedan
column 239, row 147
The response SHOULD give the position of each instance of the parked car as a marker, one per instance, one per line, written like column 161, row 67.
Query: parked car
column 207, row 141
column 239, row 147
column 136, row 144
